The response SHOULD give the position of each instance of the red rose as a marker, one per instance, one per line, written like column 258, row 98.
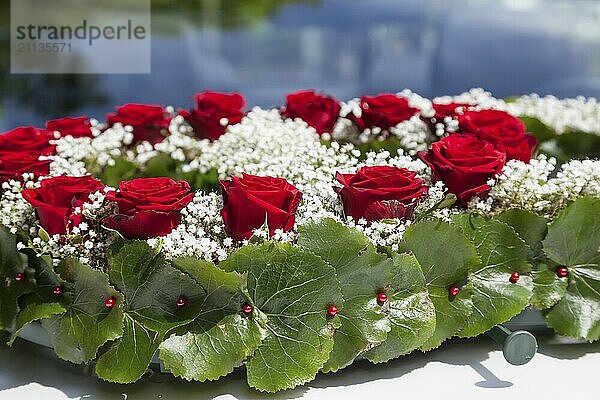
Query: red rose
column 214, row 112
column 464, row 163
column 148, row 207
column 56, row 198
column 503, row 130
column 319, row 111
column 251, row 200
column 442, row 110
column 13, row 164
column 71, row 126
column 28, row 138
column 380, row 192
column 149, row 122
column 383, row 111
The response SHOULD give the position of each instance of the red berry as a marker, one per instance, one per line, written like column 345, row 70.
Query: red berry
column 58, row 290
column 562, row 272
column 110, row 302
column 332, row 311
column 454, row 290
column 247, row 308
column 181, row 302
column 19, row 277
column 514, row 277
column 381, row 297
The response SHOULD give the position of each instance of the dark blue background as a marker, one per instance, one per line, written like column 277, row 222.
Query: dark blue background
column 266, row 48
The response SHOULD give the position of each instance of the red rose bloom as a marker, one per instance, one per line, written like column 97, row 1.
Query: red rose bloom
column 442, row 111
column 28, row 138
column 212, row 108
column 148, row 207
column 149, row 122
column 71, row 126
column 464, row 163
column 383, row 111
column 13, row 164
column 250, row 201
column 319, row 111
column 506, row 132
column 56, row 198
column 380, row 192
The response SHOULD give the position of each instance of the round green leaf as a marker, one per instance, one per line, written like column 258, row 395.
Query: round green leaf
column 530, row 227
column 362, row 273
column 151, row 287
column 87, row 324
column 293, row 288
column 573, row 241
column 409, row 309
column 220, row 338
column 502, row 252
column 11, row 263
column 446, row 257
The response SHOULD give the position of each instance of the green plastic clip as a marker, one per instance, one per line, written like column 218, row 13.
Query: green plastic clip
column 518, row 347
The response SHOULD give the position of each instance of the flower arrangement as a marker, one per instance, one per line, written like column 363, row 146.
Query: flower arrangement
column 296, row 240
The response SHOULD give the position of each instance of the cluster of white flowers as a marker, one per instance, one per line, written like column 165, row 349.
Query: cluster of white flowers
column 580, row 113
column 267, row 145
column 531, row 187
column 16, row 213
column 201, row 232
column 99, row 151
column 86, row 241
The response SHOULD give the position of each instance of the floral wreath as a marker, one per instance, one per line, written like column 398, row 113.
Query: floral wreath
column 297, row 239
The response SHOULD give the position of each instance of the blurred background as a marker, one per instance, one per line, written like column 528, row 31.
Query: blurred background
column 267, row 48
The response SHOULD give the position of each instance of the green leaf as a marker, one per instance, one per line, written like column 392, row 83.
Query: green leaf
column 44, row 277
column 573, row 241
column 162, row 165
column 198, row 181
column 42, row 303
column 293, row 288
column 391, row 144
column 409, row 309
column 122, row 170
column 151, row 287
column 11, row 263
column 502, row 252
column 362, row 273
column 35, row 312
column 220, row 338
column 530, row 227
column 128, row 358
column 574, row 144
column 446, row 257
column 87, row 323
column 538, row 129
column 548, row 289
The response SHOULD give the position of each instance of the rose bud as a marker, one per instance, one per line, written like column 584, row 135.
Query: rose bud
column 71, row 126
column 148, row 207
column 317, row 110
column 506, row 132
column 464, row 163
column 213, row 112
column 149, row 122
column 250, row 201
column 381, row 192
column 56, row 198
column 383, row 111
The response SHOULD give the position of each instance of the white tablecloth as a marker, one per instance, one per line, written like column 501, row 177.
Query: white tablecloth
column 460, row 369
